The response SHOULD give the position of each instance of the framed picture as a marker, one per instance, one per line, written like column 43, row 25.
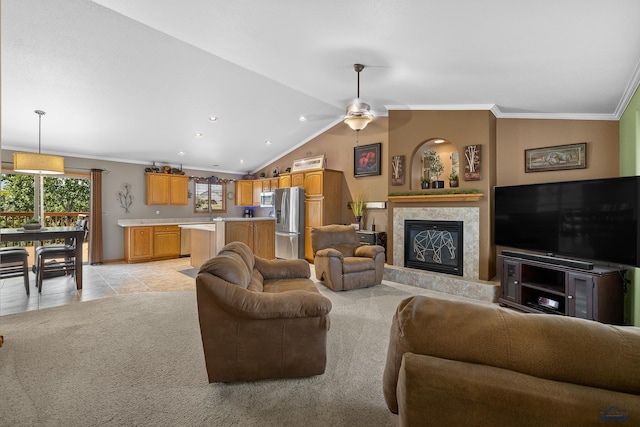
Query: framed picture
column 317, row 162
column 366, row 160
column 472, row 157
column 560, row 157
column 397, row 170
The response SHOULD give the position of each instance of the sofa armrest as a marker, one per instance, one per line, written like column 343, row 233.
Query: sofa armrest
column 260, row 305
column 283, row 268
column 368, row 251
column 329, row 252
column 435, row 389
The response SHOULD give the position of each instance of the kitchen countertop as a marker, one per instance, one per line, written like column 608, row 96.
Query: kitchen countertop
column 182, row 221
column 203, row 227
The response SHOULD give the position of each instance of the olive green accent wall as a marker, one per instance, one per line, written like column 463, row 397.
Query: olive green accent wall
column 630, row 165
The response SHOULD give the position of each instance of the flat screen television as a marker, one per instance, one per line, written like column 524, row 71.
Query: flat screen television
column 594, row 220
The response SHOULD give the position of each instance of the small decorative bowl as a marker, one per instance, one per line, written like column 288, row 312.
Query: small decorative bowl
column 32, row 226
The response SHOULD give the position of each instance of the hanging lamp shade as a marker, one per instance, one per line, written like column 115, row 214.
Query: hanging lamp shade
column 44, row 164
column 38, row 163
column 358, row 115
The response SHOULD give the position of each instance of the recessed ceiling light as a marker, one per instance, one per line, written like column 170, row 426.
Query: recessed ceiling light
column 302, row 118
column 213, row 118
column 241, row 161
column 198, row 134
column 268, row 142
column 181, row 153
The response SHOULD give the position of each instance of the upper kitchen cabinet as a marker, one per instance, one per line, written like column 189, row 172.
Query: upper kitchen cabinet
column 244, row 193
column 167, row 189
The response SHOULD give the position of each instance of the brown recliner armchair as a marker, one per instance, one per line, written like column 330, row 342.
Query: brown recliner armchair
column 260, row 318
column 341, row 263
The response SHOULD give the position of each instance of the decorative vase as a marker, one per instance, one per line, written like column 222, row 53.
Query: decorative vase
column 453, row 184
column 438, row 184
column 358, row 219
column 424, row 185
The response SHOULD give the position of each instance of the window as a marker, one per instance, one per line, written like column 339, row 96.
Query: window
column 210, row 195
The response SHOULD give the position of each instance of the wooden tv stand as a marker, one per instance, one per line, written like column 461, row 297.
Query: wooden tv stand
column 536, row 286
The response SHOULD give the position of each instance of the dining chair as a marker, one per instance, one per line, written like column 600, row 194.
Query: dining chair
column 14, row 262
column 54, row 252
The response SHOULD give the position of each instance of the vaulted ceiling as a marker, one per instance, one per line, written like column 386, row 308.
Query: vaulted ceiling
column 135, row 81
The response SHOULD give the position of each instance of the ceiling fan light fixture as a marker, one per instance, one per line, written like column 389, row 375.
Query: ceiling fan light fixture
column 358, row 113
column 38, row 163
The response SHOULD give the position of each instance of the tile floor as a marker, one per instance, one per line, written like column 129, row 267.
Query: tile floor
column 99, row 281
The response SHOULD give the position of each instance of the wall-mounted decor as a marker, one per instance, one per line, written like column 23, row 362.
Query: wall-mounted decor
column 125, row 197
column 397, row 170
column 366, row 160
column 317, row 162
column 472, row 162
column 560, row 157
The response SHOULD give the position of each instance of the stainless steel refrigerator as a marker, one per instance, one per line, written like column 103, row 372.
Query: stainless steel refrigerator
column 289, row 206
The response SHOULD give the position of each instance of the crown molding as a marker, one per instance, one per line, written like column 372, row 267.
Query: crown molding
column 632, row 87
column 502, row 115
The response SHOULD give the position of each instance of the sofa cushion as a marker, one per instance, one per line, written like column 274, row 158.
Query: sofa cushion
column 228, row 266
column 357, row 264
column 256, row 283
column 285, row 285
column 243, row 250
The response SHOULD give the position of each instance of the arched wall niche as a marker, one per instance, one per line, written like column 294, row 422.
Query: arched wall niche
column 448, row 154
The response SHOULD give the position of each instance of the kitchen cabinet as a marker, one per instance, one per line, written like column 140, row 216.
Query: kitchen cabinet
column 284, row 181
column 149, row 243
column 535, row 285
column 248, row 191
column 297, row 179
column 166, row 241
column 323, row 196
column 166, row 189
column 244, row 193
column 138, row 244
column 259, row 235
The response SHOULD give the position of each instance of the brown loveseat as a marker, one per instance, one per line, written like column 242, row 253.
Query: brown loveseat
column 260, row 318
column 341, row 262
column 458, row 363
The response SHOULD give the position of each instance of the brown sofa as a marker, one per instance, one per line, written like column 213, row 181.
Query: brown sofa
column 341, row 263
column 260, row 318
column 459, row 363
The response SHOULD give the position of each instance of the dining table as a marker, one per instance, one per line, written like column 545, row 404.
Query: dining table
column 50, row 233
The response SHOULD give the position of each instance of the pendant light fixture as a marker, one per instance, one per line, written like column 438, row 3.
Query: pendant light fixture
column 43, row 164
column 358, row 113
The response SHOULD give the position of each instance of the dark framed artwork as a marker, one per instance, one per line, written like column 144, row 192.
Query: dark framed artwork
column 366, row 160
column 559, row 157
column 397, row 170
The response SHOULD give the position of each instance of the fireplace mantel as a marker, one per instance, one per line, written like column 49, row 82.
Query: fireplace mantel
column 470, row 197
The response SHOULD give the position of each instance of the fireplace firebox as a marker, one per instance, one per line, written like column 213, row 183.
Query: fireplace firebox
column 434, row 246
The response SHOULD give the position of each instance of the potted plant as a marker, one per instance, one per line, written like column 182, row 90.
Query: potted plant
column 32, row 224
column 424, row 182
column 435, row 168
column 358, row 205
column 453, row 179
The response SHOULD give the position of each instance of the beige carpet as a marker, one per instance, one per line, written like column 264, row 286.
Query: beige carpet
column 137, row 360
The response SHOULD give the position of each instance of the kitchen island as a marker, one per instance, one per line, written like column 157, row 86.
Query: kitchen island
column 165, row 238
column 205, row 241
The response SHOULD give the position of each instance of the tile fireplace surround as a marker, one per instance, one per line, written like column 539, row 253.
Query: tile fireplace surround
column 468, row 285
